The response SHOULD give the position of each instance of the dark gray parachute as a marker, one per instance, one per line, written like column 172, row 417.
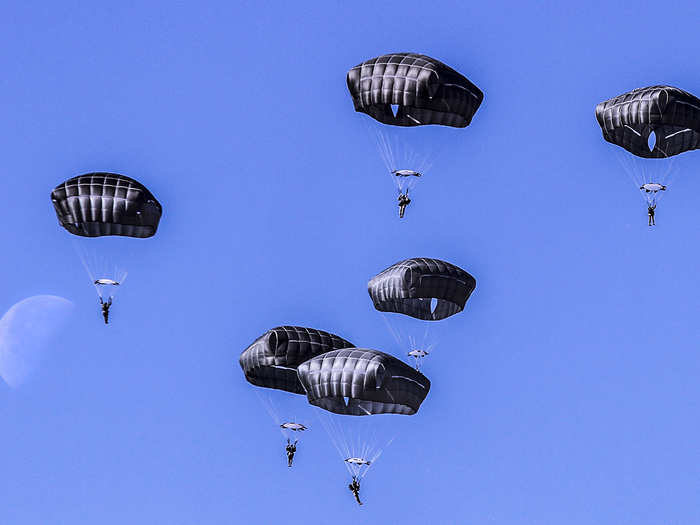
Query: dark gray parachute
column 409, row 287
column 671, row 113
column 362, row 382
column 271, row 360
column 425, row 90
column 97, row 204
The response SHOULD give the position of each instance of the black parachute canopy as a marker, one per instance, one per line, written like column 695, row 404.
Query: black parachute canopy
column 362, row 382
column 671, row 113
column 271, row 360
column 97, row 204
column 408, row 287
column 425, row 90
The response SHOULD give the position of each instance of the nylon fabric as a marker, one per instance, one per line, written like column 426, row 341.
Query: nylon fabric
column 272, row 359
column 408, row 287
column 671, row 113
column 372, row 382
column 98, row 204
column 425, row 90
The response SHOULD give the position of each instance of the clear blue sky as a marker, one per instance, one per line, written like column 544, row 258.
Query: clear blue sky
column 566, row 392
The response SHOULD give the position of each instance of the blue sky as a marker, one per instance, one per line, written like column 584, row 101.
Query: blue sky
column 566, row 391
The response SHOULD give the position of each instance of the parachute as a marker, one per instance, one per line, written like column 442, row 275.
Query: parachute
column 97, row 204
column 271, row 360
column 405, row 91
column 671, row 113
column 360, row 382
column 99, row 208
column 422, row 90
column 428, row 289
column 652, row 123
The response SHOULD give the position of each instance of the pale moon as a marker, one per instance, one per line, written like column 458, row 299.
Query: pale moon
column 26, row 333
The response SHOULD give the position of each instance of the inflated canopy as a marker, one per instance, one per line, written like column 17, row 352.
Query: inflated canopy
column 671, row 113
column 97, row 204
column 425, row 90
column 361, row 382
column 271, row 360
column 409, row 287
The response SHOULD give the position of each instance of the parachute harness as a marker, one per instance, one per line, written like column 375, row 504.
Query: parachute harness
column 418, row 348
column 398, row 156
column 358, row 446
column 290, row 427
column 653, row 123
column 650, row 176
column 104, row 274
